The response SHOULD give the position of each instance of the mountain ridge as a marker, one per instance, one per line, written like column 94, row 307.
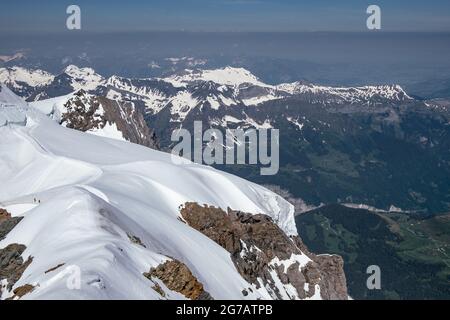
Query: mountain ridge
column 109, row 213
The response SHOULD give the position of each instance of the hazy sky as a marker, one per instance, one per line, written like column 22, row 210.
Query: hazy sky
column 224, row 15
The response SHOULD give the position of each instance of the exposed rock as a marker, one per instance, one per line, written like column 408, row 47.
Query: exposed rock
column 262, row 252
column 7, row 223
column 21, row 291
column 11, row 262
column 55, row 268
column 333, row 279
column 177, row 277
column 12, row 265
column 136, row 240
column 83, row 113
column 158, row 289
column 86, row 112
column 130, row 121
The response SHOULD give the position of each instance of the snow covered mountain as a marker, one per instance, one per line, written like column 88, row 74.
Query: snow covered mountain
column 314, row 121
column 192, row 89
column 100, row 116
column 88, row 217
column 23, row 81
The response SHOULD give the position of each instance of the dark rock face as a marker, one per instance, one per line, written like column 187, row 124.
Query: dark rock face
column 4, row 215
column 130, row 121
column 82, row 113
column 12, row 265
column 177, row 277
column 21, row 291
column 261, row 252
column 86, row 112
column 7, row 223
column 333, row 279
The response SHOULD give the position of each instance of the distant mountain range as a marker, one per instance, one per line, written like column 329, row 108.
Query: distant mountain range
column 374, row 145
column 84, row 216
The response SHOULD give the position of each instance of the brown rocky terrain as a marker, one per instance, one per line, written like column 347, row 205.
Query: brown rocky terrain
column 12, row 265
column 21, row 291
column 177, row 277
column 4, row 215
column 7, row 223
column 258, row 248
column 86, row 112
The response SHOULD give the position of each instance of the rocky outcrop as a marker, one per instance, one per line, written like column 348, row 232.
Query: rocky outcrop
column 12, row 265
column 176, row 276
column 333, row 278
column 265, row 256
column 21, row 291
column 7, row 223
column 87, row 112
column 4, row 215
column 130, row 121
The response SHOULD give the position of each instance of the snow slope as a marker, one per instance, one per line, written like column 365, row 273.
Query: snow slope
column 11, row 107
column 93, row 193
column 345, row 94
column 18, row 76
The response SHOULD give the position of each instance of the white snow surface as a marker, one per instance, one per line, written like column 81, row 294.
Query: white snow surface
column 81, row 197
column 226, row 76
column 347, row 94
column 11, row 108
column 53, row 107
column 110, row 130
column 16, row 75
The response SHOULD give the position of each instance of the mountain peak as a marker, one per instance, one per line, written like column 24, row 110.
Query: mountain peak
column 16, row 75
column 229, row 76
column 84, row 78
column 73, row 70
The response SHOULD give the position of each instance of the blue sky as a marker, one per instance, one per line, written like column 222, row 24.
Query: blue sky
column 225, row 15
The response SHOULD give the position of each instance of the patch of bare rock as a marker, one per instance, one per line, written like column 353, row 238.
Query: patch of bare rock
column 177, row 277
column 262, row 254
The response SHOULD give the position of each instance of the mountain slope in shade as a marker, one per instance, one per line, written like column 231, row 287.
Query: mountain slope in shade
column 412, row 253
column 112, row 211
